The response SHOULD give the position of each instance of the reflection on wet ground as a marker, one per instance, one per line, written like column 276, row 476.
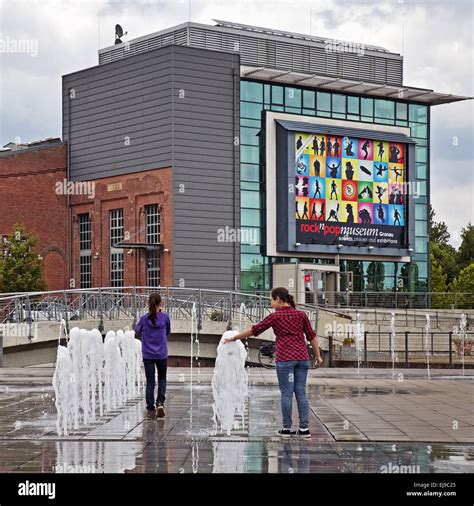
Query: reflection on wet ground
column 358, row 425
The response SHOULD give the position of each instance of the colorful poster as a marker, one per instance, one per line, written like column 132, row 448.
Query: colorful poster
column 349, row 191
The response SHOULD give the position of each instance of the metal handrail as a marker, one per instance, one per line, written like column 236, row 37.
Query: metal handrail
column 111, row 303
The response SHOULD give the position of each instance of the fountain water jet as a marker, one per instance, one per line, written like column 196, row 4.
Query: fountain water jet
column 229, row 383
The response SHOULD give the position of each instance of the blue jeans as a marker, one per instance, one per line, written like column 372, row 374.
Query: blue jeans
column 161, row 365
column 292, row 375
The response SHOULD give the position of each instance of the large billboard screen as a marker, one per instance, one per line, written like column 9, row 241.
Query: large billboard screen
column 349, row 191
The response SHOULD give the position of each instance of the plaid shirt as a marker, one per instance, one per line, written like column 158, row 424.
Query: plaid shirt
column 290, row 327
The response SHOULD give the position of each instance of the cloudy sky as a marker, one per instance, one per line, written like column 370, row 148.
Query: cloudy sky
column 435, row 38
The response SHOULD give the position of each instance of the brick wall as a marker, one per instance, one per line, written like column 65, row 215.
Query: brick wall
column 28, row 195
column 132, row 192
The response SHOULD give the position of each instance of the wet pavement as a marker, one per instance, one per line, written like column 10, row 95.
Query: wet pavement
column 360, row 423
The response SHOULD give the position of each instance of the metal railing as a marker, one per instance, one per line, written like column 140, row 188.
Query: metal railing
column 388, row 299
column 413, row 347
column 130, row 302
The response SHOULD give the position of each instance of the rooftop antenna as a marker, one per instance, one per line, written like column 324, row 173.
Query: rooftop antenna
column 119, row 34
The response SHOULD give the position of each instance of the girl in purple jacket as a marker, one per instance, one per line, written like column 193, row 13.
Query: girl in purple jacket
column 153, row 329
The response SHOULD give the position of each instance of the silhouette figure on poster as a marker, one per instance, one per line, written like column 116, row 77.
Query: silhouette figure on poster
column 305, row 186
column 333, row 214
column 333, row 169
column 381, row 150
column 322, row 147
column 394, row 152
column 348, row 149
column 365, row 149
column 305, row 211
column 317, row 190
column 380, row 193
column 315, row 146
column 380, row 213
column 317, row 168
column 365, row 217
column 395, row 196
column 333, row 190
column 398, row 173
column 299, row 143
column 365, row 170
column 321, row 213
column 380, row 169
column 300, row 166
column 396, row 217
column 297, row 211
column 367, row 191
column 329, row 148
column 336, row 146
column 349, row 170
column 313, row 212
column 350, row 213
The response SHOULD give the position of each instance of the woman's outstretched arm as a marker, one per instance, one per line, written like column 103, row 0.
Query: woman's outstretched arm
column 240, row 335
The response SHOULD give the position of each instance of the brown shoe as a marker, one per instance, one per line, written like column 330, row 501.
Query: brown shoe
column 160, row 410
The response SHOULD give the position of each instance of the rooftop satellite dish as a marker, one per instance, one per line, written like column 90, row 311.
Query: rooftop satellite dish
column 119, row 34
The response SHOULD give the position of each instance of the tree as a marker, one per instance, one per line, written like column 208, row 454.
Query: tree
column 445, row 257
column 438, row 285
column 466, row 250
column 20, row 268
column 438, row 231
column 464, row 283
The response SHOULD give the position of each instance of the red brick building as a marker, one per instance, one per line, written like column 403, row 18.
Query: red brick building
column 28, row 178
column 120, row 228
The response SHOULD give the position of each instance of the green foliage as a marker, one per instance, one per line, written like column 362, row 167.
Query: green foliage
column 445, row 256
column 466, row 250
column 20, row 269
column 438, row 230
column 464, row 284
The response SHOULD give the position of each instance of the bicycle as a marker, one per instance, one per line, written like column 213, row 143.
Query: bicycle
column 266, row 355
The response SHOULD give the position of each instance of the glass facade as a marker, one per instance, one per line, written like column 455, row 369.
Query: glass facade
column 379, row 276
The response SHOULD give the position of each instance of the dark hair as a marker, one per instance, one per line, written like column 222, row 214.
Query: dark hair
column 284, row 295
column 153, row 302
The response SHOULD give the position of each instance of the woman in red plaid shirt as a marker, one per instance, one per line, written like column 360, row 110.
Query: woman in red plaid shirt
column 292, row 328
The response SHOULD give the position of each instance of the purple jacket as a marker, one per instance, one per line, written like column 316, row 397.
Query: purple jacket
column 153, row 336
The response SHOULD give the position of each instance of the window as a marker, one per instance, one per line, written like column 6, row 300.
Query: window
column 251, row 91
column 421, row 245
column 421, row 228
column 249, row 154
column 277, row 95
column 338, row 106
column 153, row 237
column 385, row 110
column 309, row 99
column 324, row 101
column 367, row 107
column 420, row 212
column 421, row 171
column 249, row 172
column 250, row 110
column 85, row 246
column 293, row 97
column 250, row 199
column 353, row 105
column 116, row 254
column 418, row 113
column 402, row 111
column 249, row 136
column 420, row 131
